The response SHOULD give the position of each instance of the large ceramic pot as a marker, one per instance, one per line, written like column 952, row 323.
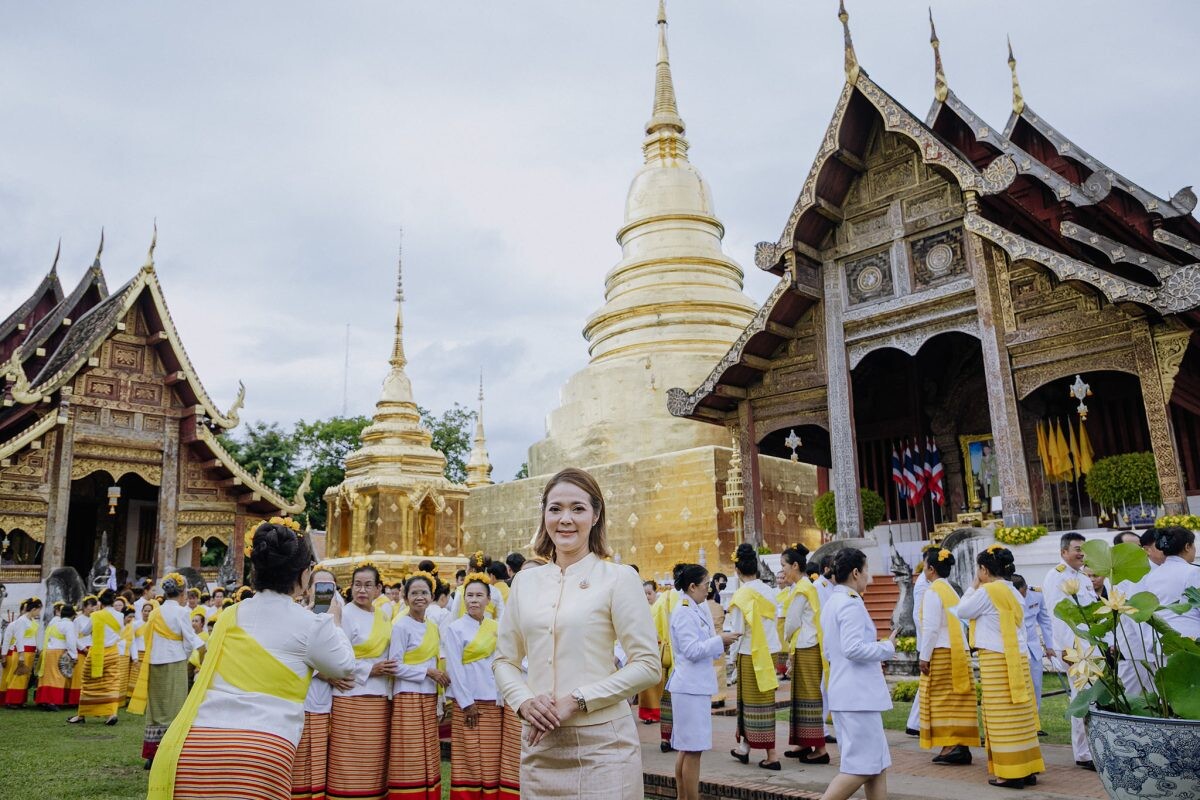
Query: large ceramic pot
column 1143, row 757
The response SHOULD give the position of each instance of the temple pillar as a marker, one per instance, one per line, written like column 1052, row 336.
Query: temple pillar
column 1001, row 393
column 168, row 500
column 1158, row 420
column 842, row 447
column 747, row 440
column 238, row 543
column 60, row 499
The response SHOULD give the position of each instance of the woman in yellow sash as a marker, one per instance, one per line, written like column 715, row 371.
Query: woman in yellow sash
column 137, row 653
column 83, row 645
column 236, row 735
column 361, row 711
column 947, row 694
column 23, row 648
column 414, row 755
column 53, row 687
column 664, row 605
column 996, row 612
column 483, row 729
column 752, row 614
column 802, row 639
column 125, row 652
column 101, row 691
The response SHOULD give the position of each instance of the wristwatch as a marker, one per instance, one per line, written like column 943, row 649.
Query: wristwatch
column 580, row 703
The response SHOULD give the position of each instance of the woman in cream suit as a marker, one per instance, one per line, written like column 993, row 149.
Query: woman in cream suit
column 857, row 691
column 694, row 644
column 564, row 617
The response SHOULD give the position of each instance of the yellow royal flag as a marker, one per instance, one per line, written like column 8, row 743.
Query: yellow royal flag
column 1062, row 454
column 1074, row 449
column 1044, row 452
column 1085, row 450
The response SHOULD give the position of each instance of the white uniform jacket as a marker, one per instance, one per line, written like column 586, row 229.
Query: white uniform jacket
column 1064, row 636
column 1037, row 618
column 694, row 645
column 855, row 677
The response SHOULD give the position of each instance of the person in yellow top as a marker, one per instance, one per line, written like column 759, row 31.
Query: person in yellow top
column 101, row 691
column 802, row 644
column 665, row 605
column 752, row 613
column 23, row 646
column 54, row 686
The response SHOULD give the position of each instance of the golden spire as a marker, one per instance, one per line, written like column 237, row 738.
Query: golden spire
column 153, row 243
column 852, row 67
column 398, row 361
column 479, row 464
column 1018, row 98
column 941, row 89
column 664, row 131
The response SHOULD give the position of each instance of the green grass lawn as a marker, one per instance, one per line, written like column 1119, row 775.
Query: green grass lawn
column 44, row 758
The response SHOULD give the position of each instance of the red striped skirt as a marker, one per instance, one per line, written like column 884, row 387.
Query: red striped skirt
column 475, row 753
column 415, row 753
column 358, row 748
column 234, row 765
column 308, row 769
column 18, row 685
column 510, row 755
column 53, row 687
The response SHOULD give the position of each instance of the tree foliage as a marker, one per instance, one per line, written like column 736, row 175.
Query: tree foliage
column 1126, row 479
column 452, row 433
column 873, row 509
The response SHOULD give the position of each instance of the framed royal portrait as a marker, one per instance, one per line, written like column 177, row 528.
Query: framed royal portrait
column 981, row 471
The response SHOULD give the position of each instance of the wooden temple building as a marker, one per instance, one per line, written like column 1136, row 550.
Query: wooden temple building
column 946, row 280
column 105, row 428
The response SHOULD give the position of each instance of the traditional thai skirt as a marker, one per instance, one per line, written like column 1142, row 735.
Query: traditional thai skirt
column 17, row 689
column 100, row 696
column 755, row 707
column 358, row 748
column 948, row 717
column 475, row 753
column 666, row 716
column 1009, row 727
column 77, row 677
column 308, row 768
column 415, row 752
column 510, row 755
column 592, row 762
column 123, row 679
column 806, row 728
column 166, row 691
column 226, row 763
column 135, row 669
column 53, row 687
column 862, row 745
column 649, row 701
column 719, row 669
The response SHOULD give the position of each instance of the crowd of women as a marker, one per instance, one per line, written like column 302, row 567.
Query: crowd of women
column 532, row 667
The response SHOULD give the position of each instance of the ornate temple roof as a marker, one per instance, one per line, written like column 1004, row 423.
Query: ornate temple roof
column 44, row 297
column 1071, row 214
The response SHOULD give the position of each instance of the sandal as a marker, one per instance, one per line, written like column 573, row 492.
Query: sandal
column 773, row 765
column 111, row 720
column 76, row 720
column 742, row 757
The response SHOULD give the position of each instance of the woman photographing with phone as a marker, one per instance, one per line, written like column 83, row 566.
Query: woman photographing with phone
column 565, row 617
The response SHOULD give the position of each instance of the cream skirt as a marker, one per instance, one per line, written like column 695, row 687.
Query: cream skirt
column 600, row 761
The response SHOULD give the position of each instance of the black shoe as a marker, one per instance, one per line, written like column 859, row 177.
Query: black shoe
column 821, row 759
column 773, row 765
column 742, row 757
column 76, row 720
column 647, row 722
column 1088, row 764
column 912, row 731
column 665, row 747
column 959, row 756
column 1015, row 783
column 148, row 764
column 718, row 704
column 50, row 707
column 1031, row 780
column 111, row 720
column 830, row 740
column 1042, row 733
column 797, row 753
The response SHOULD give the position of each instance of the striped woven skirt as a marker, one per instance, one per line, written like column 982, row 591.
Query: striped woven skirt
column 17, row 689
column 234, row 765
column 77, row 677
column 649, row 701
column 166, row 692
column 755, row 708
column 510, row 755
column 666, row 717
column 53, row 687
column 100, row 696
column 475, row 753
column 415, row 752
column 585, row 762
column 806, row 728
column 358, row 748
column 135, row 669
column 948, row 717
column 123, row 665
column 1010, row 727
column 308, row 768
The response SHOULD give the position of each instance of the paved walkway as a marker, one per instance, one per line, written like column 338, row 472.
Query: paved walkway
column 910, row 776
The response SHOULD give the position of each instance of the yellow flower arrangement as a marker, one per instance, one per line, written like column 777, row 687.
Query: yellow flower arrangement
column 943, row 554
column 479, row 576
column 286, row 522
column 367, row 563
column 1189, row 521
column 1020, row 534
column 992, row 549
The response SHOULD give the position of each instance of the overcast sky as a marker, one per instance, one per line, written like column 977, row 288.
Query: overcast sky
column 282, row 145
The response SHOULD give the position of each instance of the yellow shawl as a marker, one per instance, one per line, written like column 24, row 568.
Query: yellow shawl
column 756, row 609
column 1012, row 614
column 960, row 665
column 805, row 587
column 483, row 643
column 242, row 662
column 100, row 621
column 661, row 612
column 379, row 638
column 155, row 626
column 428, row 648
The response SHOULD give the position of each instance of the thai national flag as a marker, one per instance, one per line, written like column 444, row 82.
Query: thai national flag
column 912, row 477
column 898, row 476
column 937, row 474
column 918, row 474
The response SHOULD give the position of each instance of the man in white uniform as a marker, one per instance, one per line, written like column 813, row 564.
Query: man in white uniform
column 1069, row 569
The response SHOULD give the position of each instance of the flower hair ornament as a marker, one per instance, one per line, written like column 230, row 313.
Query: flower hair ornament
column 943, row 554
column 287, row 522
column 993, row 549
column 482, row 577
column 174, row 577
column 425, row 575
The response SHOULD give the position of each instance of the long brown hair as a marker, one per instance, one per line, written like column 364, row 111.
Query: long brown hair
column 543, row 544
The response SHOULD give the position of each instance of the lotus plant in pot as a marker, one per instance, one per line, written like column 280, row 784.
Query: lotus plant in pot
column 1137, row 680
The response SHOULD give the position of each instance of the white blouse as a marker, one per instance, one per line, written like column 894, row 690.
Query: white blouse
column 934, row 632
column 468, row 682
column 356, row 624
column 23, row 634
column 977, row 605
column 112, row 636
column 802, row 617
column 407, row 634
column 178, row 619
column 1172, row 578
column 67, row 628
column 299, row 639
column 83, row 631
column 736, row 622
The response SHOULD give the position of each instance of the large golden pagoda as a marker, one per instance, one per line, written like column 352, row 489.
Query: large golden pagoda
column 396, row 505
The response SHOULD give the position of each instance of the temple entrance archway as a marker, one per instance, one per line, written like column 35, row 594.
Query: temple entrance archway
column 939, row 395
column 131, row 528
